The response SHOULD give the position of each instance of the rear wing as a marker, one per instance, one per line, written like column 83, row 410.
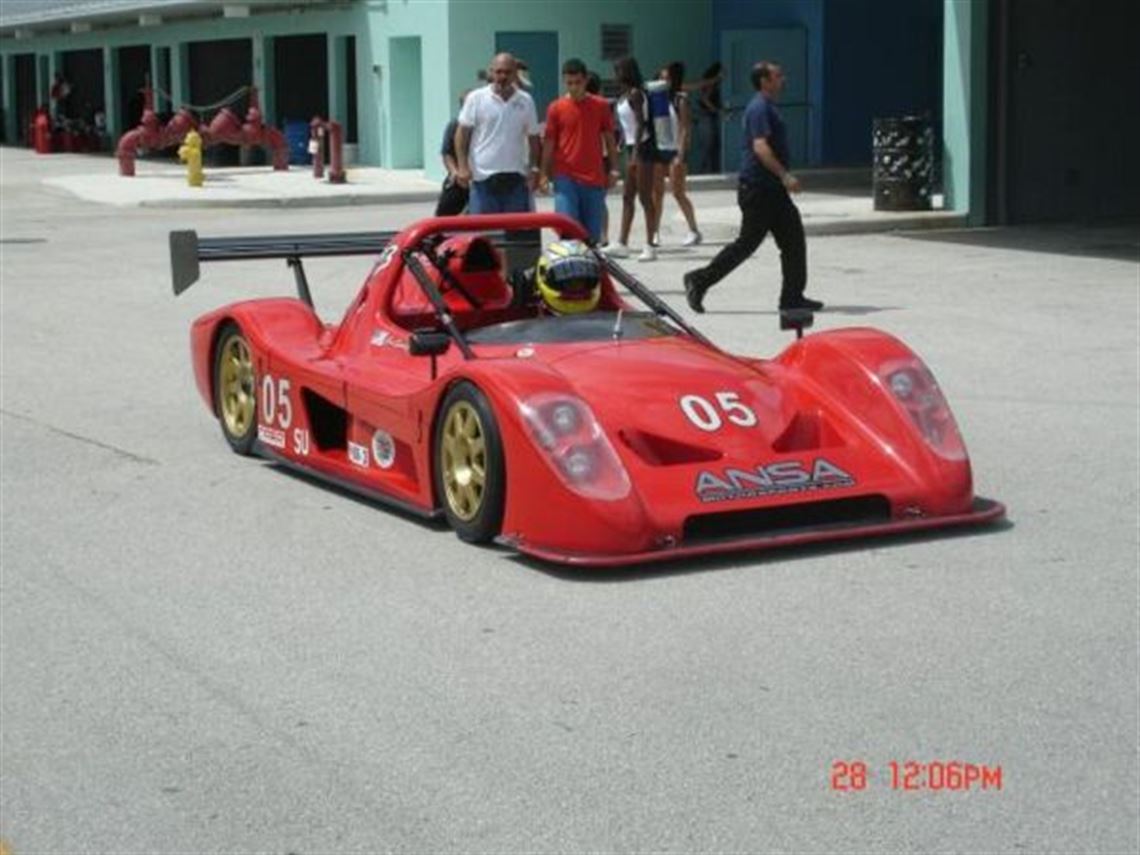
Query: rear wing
column 188, row 250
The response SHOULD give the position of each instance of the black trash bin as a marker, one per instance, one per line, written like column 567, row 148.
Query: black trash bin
column 903, row 173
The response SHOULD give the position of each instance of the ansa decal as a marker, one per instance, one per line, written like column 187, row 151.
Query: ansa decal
column 789, row 476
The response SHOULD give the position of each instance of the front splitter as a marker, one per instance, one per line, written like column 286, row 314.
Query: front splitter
column 983, row 511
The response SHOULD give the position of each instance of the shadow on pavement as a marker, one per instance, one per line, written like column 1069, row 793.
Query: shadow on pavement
column 829, row 309
column 438, row 524
column 1118, row 240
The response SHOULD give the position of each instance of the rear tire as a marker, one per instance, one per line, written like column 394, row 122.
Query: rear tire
column 470, row 477
column 235, row 388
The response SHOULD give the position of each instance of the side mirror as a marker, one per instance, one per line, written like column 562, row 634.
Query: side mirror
column 796, row 319
column 429, row 342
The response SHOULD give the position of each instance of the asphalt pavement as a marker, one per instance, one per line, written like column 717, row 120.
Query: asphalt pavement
column 204, row 653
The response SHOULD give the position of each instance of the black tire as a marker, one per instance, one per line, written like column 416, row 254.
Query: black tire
column 468, row 467
column 235, row 388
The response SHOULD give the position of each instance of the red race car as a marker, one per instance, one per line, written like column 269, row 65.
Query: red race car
column 465, row 379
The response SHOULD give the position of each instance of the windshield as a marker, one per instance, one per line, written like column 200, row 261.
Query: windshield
column 592, row 326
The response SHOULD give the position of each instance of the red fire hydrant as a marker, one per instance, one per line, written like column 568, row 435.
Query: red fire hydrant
column 41, row 132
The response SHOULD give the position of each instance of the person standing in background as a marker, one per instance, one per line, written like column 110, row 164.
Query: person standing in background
column 497, row 126
column 60, row 94
column 673, row 153
column 641, row 153
column 453, row 195
column 708, row 120
column 765, row 182
column 578, row 151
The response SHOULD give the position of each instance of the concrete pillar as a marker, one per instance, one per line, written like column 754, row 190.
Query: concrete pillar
column 156, row 81
column 179, row 74
column 8, row 97
column 111, row 91
column 964, row 107
column 44, row 77
column 338, row 89
column 269, row 81
column 261, row 76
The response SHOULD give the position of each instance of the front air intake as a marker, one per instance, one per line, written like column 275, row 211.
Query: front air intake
column 787, row 519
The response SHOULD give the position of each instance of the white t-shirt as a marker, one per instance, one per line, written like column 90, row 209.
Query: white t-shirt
column 628, row 119
column 500, row 131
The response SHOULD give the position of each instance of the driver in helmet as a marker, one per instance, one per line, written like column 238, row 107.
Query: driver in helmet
column 566, row 280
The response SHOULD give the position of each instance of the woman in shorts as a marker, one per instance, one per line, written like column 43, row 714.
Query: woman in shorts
column 673, row 148
column 640, row 156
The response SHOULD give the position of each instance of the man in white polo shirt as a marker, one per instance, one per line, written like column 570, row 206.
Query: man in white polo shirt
column 497, row 145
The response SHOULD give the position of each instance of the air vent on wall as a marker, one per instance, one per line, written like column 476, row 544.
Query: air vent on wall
column 617, row 41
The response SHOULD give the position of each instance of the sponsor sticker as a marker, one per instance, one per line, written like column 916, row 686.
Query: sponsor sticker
column 271, row 436
column 788, row 476
column 358, row 454
column 383, row 338
column 383, row 449
column 386, row 256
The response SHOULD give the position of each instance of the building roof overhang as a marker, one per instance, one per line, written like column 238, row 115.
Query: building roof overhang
column 30, row 18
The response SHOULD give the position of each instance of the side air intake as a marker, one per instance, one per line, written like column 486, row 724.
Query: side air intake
column 787, row 519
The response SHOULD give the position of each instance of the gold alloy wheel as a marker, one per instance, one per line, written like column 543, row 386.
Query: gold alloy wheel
column 235, row 378
column 463, row 454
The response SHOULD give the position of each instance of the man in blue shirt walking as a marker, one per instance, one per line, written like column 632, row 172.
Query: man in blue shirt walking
column 765, row 182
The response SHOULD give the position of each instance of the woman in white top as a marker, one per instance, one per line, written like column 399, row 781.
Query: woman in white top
column 673, row 154
column 640, row 152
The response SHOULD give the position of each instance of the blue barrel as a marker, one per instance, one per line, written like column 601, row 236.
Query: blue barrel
column 658, row 93
column 297, row 137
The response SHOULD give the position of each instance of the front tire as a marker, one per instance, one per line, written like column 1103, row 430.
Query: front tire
column 470, row 479
column 235, row 389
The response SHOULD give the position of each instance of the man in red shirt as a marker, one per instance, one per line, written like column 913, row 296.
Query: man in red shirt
column 579, row 128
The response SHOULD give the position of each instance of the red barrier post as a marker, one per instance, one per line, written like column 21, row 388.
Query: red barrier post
column 336, row 156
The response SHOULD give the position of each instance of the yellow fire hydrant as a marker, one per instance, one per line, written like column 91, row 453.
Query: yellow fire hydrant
column 190, row 153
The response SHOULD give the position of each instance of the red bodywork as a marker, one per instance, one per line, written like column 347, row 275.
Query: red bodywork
column 708, row 452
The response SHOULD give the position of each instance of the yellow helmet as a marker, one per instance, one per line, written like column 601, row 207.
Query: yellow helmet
column 568, row 277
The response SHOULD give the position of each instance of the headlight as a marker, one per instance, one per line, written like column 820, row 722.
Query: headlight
column 917, row 392
column 575, row 446
column 579, row 464
column 564, row 418
column 902, row 384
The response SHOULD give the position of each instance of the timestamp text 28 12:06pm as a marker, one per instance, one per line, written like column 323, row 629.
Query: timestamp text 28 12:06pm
column 936, row 775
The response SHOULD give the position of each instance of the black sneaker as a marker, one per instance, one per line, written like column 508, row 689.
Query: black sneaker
column 801, row 302
column 694, row 292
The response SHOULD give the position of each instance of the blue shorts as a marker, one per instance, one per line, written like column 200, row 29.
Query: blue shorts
column 582, row 202
column 502, row 193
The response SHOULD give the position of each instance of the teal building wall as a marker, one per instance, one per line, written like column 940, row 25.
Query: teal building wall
column 965, row 108
column 413, row 58
column 661, row 32
column 336, row 23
